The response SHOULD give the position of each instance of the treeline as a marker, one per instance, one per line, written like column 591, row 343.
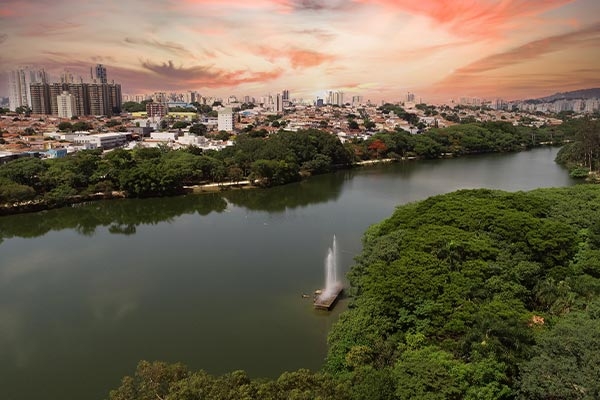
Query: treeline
column 160, row 171
column 477, row 294
column 280, row 158
column 473, row 138
column 582, row 156
column 159, row 380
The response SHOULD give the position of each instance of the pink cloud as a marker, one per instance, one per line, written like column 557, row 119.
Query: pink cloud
column 6, row 12
column 477, row 74
column 472, row 17
column 298, row 58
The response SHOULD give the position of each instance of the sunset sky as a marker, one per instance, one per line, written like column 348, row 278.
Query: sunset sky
column 380, row 49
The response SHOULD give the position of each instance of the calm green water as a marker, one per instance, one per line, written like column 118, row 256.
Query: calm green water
column 212, row 281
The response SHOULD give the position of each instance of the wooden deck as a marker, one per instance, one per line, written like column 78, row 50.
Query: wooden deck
column 325, row 301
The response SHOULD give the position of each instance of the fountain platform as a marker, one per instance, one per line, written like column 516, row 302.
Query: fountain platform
column 326, row 300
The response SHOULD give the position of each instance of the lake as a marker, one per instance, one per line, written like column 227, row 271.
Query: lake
column 214, row 281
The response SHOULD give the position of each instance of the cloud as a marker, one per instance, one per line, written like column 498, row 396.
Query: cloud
column 320, row 34
column 495, row 73
column 532, row 50
column 317, row 5
column 203, row 76
column 49, row 29
column 472, row 17
column 170, row 47
column 298, row 58
column 6, row 12
column 422, row 52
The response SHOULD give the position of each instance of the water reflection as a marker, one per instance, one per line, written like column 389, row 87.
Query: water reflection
column 120, row 216
column 124, row 216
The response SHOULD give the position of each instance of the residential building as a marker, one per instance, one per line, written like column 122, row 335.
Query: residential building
column 19, row 82
column 67, row 107
column 225, row 120
column 156, row 109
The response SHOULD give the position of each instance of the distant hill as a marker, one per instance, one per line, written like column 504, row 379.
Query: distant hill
column 575, row 94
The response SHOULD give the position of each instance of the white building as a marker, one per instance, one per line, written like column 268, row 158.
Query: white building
column 67, row 106
column 19, row 81
column 225, row 122
column 164, row 136
column 101, row 140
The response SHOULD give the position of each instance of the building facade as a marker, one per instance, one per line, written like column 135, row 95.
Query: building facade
column 225, row 120
column 19, row 82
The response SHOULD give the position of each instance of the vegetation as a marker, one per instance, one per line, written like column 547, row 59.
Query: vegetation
column 268, row 160
column 473, row 138
column 477, row 294
column 582, row 156
column 160, row 171
column 457, row 296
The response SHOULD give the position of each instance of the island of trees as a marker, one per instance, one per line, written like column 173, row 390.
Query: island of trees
column 476, row 294
column 283, row 157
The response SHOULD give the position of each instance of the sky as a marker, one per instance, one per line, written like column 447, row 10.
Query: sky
column 378, row 49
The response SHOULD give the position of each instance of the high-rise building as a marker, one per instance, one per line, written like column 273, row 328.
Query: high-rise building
column 225, row 120
column 89, row 98
column 66, row 105
column 40, row 98
column 82, row 98
column 56, row 90
column 286, row 98
column 114, row 98
column 279, row 103
column 335, row 98
column 98, row 99
column 19, row 82
column 100, row 74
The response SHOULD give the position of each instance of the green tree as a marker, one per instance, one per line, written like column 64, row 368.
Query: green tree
column 198, row 129
column 567, row 360
column 65, row 127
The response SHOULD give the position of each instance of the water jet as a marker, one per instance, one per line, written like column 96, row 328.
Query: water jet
column 325, row 299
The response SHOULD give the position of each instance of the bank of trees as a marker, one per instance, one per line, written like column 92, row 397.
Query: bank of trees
column 477, row 294
column 473, row 138
column 280, row 158
column 160, row 171
column 582, row 155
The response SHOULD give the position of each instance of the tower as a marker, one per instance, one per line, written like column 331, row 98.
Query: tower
column 100, row 74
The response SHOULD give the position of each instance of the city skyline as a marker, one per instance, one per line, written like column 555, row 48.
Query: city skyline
column 379, row 49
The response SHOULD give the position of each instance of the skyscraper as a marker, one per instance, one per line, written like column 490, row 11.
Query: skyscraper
column 285, row 95
column 87, row 98
column 279, row 103
column 19, row 81
column 100, row 74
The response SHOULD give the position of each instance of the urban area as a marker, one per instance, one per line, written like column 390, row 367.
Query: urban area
column 46, row 118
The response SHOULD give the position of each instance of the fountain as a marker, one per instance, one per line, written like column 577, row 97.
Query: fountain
column 327, row 297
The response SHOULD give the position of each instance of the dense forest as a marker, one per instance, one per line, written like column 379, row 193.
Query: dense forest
column 280, row 158
column 476, row 294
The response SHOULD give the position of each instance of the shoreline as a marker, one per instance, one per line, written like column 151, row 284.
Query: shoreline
column 207, row 188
